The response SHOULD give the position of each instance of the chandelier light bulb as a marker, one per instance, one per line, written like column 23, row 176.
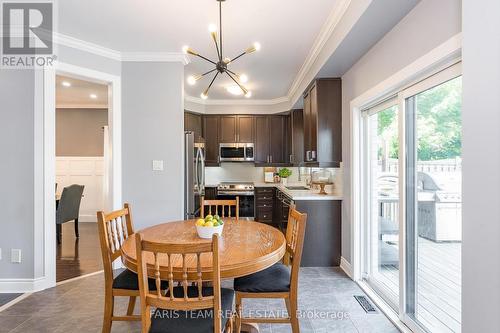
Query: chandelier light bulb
column 256, row 45
column 191, row 80
column 185, row 49
column 227, row 60
column 204, row 96
column 212, row 28
column 243, row 78
column 248, row 94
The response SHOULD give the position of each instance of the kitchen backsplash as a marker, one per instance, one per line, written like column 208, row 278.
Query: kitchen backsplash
column 249, row 173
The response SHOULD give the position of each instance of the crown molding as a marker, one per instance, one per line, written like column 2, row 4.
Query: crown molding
column 99, row 50
column 324, row 35
column 79, row 44
column 274, row 101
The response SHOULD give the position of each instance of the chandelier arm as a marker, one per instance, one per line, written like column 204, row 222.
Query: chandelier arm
column 241, row 87
column 205, row 58
column 209, row 72
column 230, row 71
column 219, row 55
column 239, row 56
column 211, row 82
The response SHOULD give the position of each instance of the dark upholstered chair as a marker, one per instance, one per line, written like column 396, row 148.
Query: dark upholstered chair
column 68, row 208
column 279, row 281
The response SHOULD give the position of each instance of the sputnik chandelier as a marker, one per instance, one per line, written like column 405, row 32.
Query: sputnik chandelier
column 222, row 63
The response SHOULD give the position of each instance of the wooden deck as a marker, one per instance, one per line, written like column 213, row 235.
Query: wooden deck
column 439, row 285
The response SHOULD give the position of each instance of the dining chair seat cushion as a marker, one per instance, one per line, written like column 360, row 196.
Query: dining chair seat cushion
column 195, row 321
column 128, row 280
column 273, row 279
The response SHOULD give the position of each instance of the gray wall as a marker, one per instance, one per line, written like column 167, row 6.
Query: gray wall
column 17, row 171
column 428, row 25
column 79, row 132
column 481, row 165
column 153, row 128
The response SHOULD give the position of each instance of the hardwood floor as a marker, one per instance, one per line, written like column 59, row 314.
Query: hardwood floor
column 78, row 256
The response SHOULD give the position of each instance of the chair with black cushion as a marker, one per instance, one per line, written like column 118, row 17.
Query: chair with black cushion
column 278, row 281
column 191, row 306
column 114, row 228
column 68, row 208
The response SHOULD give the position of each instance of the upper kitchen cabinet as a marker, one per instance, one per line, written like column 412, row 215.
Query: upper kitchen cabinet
column 193, row 123
column 271, row 140
column 245, row 126
column 322, row 118
column 211, row 136
column 234, row 129
column 296, row 137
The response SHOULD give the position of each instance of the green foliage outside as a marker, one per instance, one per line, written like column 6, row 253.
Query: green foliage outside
column 439, row 123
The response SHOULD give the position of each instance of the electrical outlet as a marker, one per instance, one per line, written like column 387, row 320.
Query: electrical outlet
column 157, row 165
column 15, row 256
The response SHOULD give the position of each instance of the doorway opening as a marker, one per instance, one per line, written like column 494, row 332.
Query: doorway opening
column 82, row 148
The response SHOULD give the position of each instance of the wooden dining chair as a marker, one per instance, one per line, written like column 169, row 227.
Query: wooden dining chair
column 278, row 281
column 191, row 306
column 219, row 207
column 114, row 228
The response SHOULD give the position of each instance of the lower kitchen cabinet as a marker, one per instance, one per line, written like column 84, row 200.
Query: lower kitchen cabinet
column 264, row 202
column 322, row 247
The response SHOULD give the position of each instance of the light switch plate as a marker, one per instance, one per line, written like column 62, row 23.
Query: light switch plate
column 157, row 165
column 15, row 256
column 0, row 254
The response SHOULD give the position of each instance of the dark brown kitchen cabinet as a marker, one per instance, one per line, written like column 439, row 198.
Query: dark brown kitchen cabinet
column 296, row 137
column 322, row 117
column 236, row 129
column 264, row 199
column 193, row 123
column 271, row 140
column 245, row 129
column 227, row 129
column 211, row 136
column 262, row 136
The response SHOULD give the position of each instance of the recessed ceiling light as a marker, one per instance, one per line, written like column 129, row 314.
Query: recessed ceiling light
column 93, row 96
column 235, row 90
column 66, row 84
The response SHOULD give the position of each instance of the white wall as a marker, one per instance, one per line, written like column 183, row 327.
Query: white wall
column 481, row 166
column 16, row 171
column 153, row 129
column 428, row 25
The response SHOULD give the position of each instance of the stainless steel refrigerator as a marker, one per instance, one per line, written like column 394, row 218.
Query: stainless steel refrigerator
column 194, row 182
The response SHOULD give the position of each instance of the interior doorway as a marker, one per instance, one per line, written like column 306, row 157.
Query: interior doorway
column 81, row 149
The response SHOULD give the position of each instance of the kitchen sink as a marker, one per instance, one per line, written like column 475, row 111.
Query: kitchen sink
column 298, row 188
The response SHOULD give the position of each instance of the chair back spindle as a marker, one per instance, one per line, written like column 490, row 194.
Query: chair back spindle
column 190, row 257
column 220, row 207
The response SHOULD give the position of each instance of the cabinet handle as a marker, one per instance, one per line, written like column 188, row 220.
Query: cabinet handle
column 291, row 158
column 307, row 155
column 271, row 158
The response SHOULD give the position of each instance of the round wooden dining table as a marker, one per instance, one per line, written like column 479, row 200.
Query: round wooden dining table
column 245, row 247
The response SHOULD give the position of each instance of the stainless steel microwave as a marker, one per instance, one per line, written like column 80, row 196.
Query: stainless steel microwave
column 236, row 152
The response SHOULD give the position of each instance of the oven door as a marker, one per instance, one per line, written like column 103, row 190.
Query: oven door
column 231, row 152
column 246, row 204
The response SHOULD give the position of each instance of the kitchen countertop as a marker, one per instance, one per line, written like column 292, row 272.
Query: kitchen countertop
column 298, row 195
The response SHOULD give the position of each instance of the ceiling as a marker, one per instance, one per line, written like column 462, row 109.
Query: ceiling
column 286, row 29
column 78, row 94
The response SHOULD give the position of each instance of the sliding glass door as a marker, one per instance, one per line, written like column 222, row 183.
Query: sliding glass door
column 382, row 206
column 434, row 206
column 411, row 202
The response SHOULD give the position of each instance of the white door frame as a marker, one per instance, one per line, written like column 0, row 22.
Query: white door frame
column 45, row 193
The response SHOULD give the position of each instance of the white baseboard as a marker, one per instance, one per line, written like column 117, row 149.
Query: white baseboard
column 20, row 286
column 346, row 267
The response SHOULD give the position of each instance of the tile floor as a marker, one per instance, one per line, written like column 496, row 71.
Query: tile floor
column 77, row 307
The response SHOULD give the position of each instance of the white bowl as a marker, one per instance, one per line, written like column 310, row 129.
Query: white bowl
column 208, row 232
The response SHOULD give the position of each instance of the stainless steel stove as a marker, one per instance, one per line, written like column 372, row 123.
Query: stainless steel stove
column 235, row 188
column 244, row 191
